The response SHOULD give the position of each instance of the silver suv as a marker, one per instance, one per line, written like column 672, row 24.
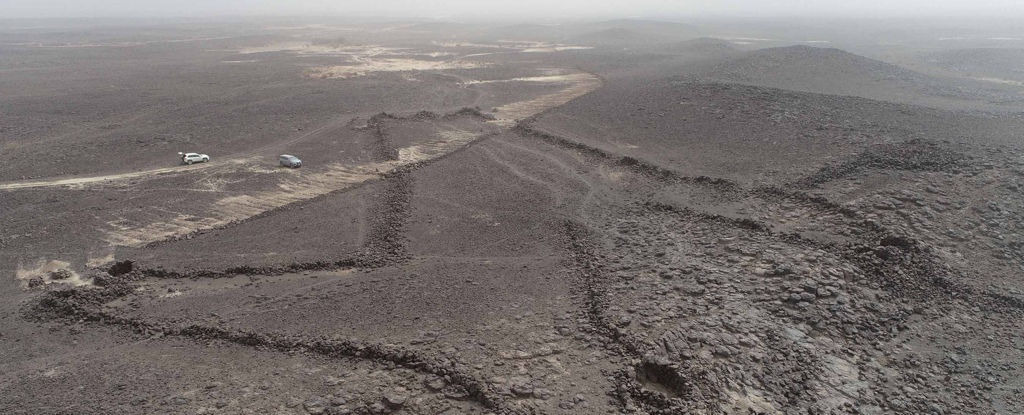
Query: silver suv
column 189, row 158
column 290, row 161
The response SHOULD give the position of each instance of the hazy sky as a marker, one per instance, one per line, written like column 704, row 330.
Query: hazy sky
column 506, row 8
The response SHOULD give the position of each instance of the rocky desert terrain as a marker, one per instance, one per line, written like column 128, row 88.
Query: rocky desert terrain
column 624, row 216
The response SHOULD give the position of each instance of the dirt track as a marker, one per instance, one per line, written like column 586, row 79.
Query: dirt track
column 578, row 84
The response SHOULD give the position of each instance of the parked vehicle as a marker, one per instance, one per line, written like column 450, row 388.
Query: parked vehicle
column 189, row 158
column 290, row 161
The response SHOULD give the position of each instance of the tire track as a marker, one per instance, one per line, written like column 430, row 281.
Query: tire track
column 236, row 158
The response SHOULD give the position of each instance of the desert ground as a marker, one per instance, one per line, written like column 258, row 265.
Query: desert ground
column 624, row 216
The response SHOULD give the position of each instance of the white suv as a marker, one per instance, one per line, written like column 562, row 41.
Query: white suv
column 189, row 158
column 290, row 161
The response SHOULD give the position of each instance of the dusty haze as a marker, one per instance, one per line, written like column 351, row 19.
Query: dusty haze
column 493, row 9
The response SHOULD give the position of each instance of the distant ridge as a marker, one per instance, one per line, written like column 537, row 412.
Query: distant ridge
column 702, row 45
column 618, row 36
column 807, row 63
column 678, row 31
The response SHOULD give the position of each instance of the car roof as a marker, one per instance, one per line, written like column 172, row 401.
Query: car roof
column 288, row 156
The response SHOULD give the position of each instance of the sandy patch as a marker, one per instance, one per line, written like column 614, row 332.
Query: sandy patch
column 306, row 48
column 578, row 84
column 555, row 48
column 171, row 294
column 79, row 182
column 367, row 66
column 265, row 168
column 49, row 273
column 100, row 261
column 1000, row 81
column 543, row 79
column 238, row 207
column 514, row 45
column 446, row 142
column 531, row 46
column 470, row 45
column 610, row 174
column 365, row 59
column 10, row 145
